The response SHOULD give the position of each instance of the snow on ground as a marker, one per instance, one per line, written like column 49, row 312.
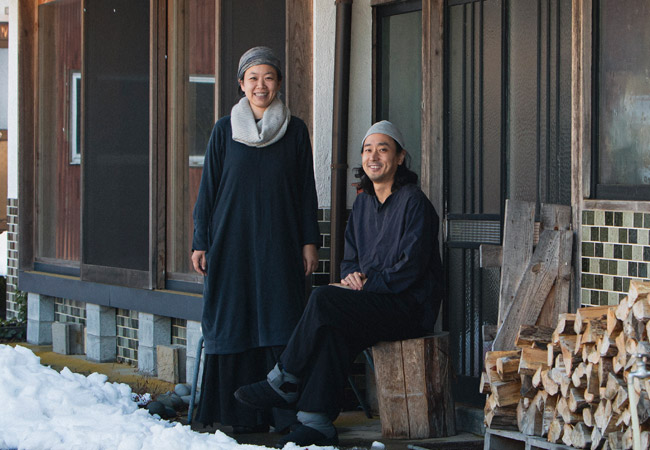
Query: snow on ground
column 42, row 409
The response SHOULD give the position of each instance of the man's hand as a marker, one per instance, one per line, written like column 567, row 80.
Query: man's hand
column 355, row 281
column 199, row 262
column 310, row 258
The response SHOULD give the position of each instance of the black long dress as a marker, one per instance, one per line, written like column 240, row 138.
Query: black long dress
column 256, row 209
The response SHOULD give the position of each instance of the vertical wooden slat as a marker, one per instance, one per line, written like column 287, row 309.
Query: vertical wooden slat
column 27, row 75
column 298, row 82
column 518, row 224
column 157, row 141
column 581, row 68
column 433, row 101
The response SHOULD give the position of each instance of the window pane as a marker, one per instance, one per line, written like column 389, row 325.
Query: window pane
column 192, row 42
column 624, row 93
column 116, row 135
column 401, row 78
column 58, row 179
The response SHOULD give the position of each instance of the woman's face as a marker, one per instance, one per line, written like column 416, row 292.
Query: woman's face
column 261, row 85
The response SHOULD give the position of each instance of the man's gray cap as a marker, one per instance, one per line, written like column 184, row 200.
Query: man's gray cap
column 387, row 128
column 255, row 56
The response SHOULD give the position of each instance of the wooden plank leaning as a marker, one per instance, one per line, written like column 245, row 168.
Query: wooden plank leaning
column 558, row 217
column 536, row 283
column 518, row 234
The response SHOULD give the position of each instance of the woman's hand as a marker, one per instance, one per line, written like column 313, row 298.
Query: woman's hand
column 310, row 258
column 199, row 262
column 355, row 281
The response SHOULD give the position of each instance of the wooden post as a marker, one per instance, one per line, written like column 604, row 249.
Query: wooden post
column 413, row 388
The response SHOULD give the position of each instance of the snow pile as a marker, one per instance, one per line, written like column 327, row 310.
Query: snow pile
column 44, row 409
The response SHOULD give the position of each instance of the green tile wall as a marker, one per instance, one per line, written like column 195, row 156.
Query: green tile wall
column 615, row 250
column 71, row 311
column 127, row 336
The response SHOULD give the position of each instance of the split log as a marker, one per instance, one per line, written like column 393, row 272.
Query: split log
column 507, row 367
column 607, row 346
column 615, row 440
column 567, row 434
column 502, row 418
column 484, row 385
column 579, row 376
column 614, row 324
column 588, row 416
column 531, row 359
column 586, row 313
column 555, row 430
column 641, row 308
column 537, row 378
column 568, row 350
column 506, row 393
column 636, row 289
column 529, row 420
column 533, row 336
column 527, row 388
column 605, row 367
column 490, row 364
column 548, row 383
column 565, row 324
column 563, row 410
column 623, row 308
column 595, row 328
column 576, row 400
column 613, row 385
column 581, row 436
column 550, row 413
column 597, row 440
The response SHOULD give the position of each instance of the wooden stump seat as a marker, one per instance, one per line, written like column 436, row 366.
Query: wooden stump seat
column 413, row 388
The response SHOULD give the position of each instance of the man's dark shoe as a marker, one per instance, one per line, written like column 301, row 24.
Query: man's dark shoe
column 261, row 395
column 305, row 436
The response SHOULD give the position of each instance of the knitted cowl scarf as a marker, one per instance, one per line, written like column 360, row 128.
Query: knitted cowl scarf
column 262, row 133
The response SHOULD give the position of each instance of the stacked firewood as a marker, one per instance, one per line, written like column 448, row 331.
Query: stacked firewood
column 570, row 384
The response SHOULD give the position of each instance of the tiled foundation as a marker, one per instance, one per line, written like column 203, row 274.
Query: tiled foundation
column 12, row 257
column 615, row 250
column 127, row 336
column 69, row 311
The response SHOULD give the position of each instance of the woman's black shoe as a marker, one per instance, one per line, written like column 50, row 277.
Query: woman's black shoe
column 304, row 435
column 261, row 395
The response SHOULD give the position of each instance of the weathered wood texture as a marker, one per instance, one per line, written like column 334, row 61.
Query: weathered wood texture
column 518, row 232
column 536, row 283
column 413, row 388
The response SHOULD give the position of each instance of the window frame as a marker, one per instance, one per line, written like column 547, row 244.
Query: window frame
column 604, row 191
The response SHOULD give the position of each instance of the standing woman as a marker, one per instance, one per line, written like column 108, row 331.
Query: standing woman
column 255, row 240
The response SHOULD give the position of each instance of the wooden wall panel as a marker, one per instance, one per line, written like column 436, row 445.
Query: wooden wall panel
column 68, row 51
column 27, row 57
column 299, row 77
column 201, row 18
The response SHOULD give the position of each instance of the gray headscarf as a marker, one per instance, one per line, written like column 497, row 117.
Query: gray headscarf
column 255, row 56
column 274, row 123
column 387, row 128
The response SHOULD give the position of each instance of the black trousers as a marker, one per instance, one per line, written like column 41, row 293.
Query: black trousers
column 337, row 325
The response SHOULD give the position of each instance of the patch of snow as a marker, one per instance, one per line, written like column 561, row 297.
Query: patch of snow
column 44, row 409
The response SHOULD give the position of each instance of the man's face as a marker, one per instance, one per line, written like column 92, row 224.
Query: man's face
column 379, row 158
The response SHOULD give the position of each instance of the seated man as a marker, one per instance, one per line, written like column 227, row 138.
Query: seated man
column 390, row 290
